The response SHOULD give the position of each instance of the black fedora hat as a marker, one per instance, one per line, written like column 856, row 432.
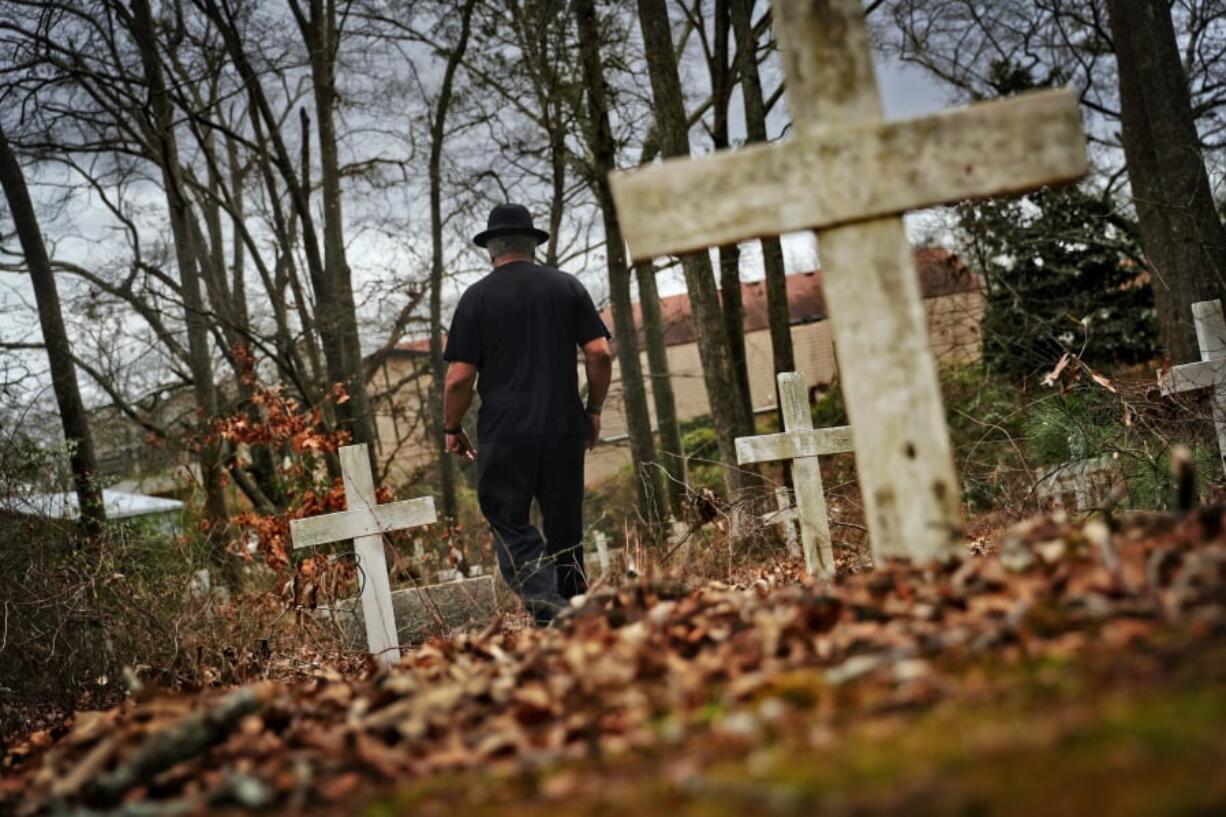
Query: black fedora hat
column 509, row 219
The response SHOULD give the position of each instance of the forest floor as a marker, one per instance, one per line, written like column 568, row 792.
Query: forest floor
column 1069, row 669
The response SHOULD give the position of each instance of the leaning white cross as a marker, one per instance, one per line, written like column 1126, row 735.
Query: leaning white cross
column 852, row 176
column 784, row 517
column 801, row 443
column 365, row 522
column 1210, row 372
column 602, row 550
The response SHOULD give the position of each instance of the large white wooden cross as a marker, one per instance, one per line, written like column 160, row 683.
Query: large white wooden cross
column 802, row 444
column 851, row 176
column 1210, row 372
column 365, row 521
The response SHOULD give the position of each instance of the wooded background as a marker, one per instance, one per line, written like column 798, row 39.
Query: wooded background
column 214, row 207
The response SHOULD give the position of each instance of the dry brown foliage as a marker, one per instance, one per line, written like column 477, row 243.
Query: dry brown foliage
column 636, row 666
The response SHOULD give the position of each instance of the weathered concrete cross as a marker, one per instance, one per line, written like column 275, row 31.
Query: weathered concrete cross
column 365, row 522
column 1210, row 372
column 802, row 444
column 1088, row 483
column 851, row 176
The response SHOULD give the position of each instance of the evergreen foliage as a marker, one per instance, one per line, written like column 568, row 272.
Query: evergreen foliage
column 1063, row 273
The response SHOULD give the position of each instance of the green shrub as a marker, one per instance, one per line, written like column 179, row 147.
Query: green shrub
column 1061, row 268
column 1090, row 422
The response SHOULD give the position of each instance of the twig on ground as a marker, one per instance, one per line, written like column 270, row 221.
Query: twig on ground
column 182, row 741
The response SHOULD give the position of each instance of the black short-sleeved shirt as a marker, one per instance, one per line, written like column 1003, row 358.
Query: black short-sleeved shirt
column 520, row 326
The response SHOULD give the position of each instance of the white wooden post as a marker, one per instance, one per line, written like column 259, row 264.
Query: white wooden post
column 851, row 176
column 785, row 518
column 365, row 521
column 1210, row 372
column 679, row 532
column 802, row 444
column 602, row 551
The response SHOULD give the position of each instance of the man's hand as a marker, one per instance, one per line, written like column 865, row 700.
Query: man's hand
column 595, row 438
column 459, row 445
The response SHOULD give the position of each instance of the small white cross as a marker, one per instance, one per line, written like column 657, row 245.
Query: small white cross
column 602, row 550
column 802, row 444
column 852, row 176
column 365, row 521
column 679, row 536
column 1210, row 372
column 784, row 517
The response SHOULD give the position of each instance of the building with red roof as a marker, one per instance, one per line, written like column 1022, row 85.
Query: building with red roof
column 953, row 298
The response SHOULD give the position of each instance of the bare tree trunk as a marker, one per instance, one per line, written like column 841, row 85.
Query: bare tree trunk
column 320, row 31
column 200, row 362
column 755, row 128
column 730, row 254
column 557, row 172
column 438, row 134
column 672, row 453
column 1181, row 232
column 73, row 418
column 335, row 319
column 604, row 152
column 704, row 299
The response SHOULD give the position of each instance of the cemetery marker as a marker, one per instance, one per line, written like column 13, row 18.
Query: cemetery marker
column 851, row 176
column 679, row 537
column 365, row 521
column 1210, row 372
column 784, row 517
column 1088, row 483
column 801, row 443
column 602, row 550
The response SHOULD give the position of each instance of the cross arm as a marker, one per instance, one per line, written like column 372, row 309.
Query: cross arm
column 1203, row 374
column 835, row 176
column 792, row 444
column 781, row 515
column 351, row 524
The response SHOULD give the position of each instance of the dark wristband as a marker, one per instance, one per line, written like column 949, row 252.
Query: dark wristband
column 459, row 430
column 595, row 408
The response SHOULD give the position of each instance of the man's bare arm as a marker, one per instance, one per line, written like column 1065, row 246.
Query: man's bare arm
column 457, row 397
column 598, row 361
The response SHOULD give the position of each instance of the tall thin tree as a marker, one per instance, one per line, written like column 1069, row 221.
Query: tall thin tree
column 779, row 316
column 673, row 131
column 672, row 453
column 723, row 80
column 73, row 419
column 318, row 24
column 1181, row 231
column 604, row 160
column 438, row 135
column 161, row 120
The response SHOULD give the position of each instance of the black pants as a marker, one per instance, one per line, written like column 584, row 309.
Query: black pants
column 545, row 570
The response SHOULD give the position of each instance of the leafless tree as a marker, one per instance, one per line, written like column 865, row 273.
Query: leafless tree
column 73, row 418
column 1152, row 81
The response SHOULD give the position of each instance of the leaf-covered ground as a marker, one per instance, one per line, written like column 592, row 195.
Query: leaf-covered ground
column 1076, row 669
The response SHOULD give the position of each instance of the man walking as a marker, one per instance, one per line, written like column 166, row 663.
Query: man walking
column 514, row 334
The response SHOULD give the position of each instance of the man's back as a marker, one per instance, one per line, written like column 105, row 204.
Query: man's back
column 520, row 326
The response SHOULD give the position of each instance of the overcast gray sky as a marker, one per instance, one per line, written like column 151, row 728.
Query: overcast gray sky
column 907, row 91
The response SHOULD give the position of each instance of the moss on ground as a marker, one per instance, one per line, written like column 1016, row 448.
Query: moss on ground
column 1125, row 734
